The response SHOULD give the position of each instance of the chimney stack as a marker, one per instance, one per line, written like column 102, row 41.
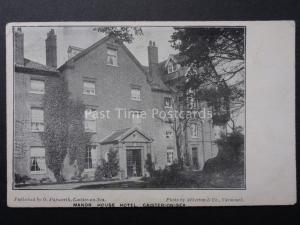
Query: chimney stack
column 153, row 60
column 51, row 49
column 19, row 46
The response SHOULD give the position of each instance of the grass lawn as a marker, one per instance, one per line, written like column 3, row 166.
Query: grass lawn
column 186, row 179
column 116, row 185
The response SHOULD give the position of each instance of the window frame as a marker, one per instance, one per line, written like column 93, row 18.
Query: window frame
column 89, row 157
column 165, row 105
column 112, row 55
column 169, row 136
column 37, row 123
column 132, row 96
column 86, row 119
column 84, row 90
column 196, row 130
column 32, row 91
column 136, row 120
column 170, row 151
column 172, row 67
column 37, row 157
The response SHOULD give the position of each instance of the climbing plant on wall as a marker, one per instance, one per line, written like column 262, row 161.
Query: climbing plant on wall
column 64, row 127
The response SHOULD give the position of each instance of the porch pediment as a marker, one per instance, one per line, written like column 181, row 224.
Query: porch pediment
column 126, row 135
column 136, row 136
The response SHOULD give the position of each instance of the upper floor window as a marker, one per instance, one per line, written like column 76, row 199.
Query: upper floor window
column 112, row 57
column 90, row 120
column 37, row 120
column 169, row 134
column 168, row 102
column 37, row 86
column 136, row 94
column 194, row 130
column 37, row 160
column 89, row 88
column 137, row 117
column 172, row 67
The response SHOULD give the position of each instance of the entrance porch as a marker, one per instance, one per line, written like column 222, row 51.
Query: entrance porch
column 132, row 146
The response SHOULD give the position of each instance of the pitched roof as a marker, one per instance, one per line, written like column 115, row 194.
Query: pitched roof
column 179, row 74
column 32, row 66
column 95, row 45
column 119, row 135
column 157, row 84
column 114, row 136
column 84, row 52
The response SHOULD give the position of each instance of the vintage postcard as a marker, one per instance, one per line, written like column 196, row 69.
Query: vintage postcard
column 143, row 114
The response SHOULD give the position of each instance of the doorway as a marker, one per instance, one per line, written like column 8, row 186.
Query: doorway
column 134, row 165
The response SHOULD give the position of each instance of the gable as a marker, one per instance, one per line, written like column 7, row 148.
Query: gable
column 103, row 44
column 135, row 136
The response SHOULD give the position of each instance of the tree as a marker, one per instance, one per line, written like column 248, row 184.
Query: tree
column 179, row 116
column 64, row 128
column 123, row 34
column 215, row 61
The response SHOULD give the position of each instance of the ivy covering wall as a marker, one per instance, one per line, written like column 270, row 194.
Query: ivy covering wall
column 64, row 128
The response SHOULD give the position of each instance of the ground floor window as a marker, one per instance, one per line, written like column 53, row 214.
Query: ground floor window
column 170, row 156
column 90, row 156
column 37, row 160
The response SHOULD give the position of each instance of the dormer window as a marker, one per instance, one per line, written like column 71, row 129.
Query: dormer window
column 172, row 67
column 112, row 58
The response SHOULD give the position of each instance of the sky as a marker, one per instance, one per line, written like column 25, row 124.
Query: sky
column 83, row 37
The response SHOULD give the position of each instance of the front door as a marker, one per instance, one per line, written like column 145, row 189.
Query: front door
column 134, row 168
column 195, row 159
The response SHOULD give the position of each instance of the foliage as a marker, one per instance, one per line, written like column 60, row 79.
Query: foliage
column 64, row 131
column 231, row 153
column 149, row 165
column 122, row 34
column 21, row 178
column 109, row 168
column 100, row 172
column 172, row 176
column 215, row 59
column 218, row 100
column 113, row 167
column 78, row 139
column 202, row 45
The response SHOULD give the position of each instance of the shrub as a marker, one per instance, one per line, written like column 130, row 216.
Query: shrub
column 112, row 165
column 100, row 173
column 173, row 176
column 231, row 153
column 21, row 178
column 109, row 168
column 149, row 165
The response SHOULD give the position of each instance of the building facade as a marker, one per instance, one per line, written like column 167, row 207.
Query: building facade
column 107, row 78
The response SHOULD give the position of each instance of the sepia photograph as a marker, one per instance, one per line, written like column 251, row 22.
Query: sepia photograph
column 129, row 107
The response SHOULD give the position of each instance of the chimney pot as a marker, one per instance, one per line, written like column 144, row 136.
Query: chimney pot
column 51, row 49
column 152, row 60
column 19, row 46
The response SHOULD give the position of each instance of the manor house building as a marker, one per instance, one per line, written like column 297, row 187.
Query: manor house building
column 106, row 77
